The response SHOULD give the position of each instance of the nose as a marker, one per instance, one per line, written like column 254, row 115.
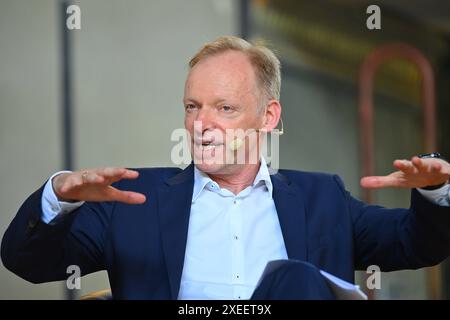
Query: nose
column 205, row 120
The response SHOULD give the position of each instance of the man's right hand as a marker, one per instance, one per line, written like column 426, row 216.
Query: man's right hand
column 95, row 185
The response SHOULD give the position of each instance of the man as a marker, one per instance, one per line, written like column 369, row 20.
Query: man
column 207, row 232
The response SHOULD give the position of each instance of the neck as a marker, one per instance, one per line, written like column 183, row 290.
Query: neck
column 239, row 179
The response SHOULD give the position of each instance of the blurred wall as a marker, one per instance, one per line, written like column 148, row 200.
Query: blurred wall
column 29, row 117
column 129, row 62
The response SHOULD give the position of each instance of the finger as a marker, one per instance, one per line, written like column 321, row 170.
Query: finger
column 376, row 182
column 420, row 164
column 446, row 168
column 405, row 166
column 130, row 174
column 123, row 173
column 111, row 172
column 436, row 167
column 128, row 197
column 91, row 177
column 116, row 174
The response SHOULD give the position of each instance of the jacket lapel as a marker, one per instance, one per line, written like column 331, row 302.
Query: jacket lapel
column 290, row 204
column 174, row 207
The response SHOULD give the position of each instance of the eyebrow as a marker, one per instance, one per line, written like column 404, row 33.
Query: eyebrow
column 191, row 100
column 198, row 103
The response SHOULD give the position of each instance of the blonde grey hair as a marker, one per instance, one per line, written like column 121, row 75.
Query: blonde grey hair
column 265, row 62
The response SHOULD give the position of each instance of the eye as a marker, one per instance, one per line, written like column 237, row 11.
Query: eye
column 190, row 107
column 227, row 109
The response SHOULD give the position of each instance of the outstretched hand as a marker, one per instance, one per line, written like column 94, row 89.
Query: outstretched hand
column 95, row 185
column 414, row 173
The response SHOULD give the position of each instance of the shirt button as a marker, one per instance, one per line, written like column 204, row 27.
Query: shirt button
column 234, row 201
column 236, row 238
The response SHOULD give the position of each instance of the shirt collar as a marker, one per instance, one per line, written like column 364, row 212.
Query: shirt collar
column 201, row 179
column 264, row 176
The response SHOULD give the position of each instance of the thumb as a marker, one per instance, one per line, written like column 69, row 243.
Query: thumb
column 376, row 182
column 129, row 197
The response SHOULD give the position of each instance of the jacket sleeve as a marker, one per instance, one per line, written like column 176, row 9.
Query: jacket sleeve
column 395, row 239
column 40, row 252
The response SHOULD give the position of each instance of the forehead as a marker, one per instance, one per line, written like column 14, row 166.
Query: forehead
column 226, row 73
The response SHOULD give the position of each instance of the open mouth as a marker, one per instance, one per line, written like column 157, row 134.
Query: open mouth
column 208, row 145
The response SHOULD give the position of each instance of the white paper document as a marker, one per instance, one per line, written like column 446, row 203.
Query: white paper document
column 342, row 289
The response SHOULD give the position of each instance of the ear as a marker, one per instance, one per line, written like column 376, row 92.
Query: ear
column 272, row 115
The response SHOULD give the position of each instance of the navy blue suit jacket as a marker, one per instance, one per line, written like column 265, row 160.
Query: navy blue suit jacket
column 142, row 247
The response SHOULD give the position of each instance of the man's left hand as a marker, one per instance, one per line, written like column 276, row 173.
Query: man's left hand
column 414, row 173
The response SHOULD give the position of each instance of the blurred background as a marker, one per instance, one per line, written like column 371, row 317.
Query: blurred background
column 64, row 94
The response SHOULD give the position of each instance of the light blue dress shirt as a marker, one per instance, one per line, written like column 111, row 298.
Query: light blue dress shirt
column 230, row 237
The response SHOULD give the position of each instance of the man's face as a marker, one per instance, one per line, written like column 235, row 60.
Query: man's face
column 220, row 93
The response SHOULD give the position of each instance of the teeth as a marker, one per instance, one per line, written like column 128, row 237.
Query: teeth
column 208, row 147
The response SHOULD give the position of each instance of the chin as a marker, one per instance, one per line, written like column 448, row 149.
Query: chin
column 211, row 168
column 210, row 161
